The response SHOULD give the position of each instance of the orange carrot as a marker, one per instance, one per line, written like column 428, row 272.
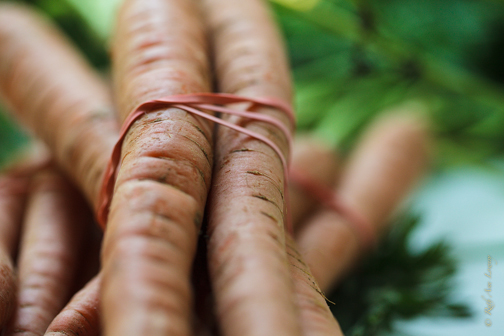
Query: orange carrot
column 14, row 186
column 247, row 258
column 55, row 93
column 12, row 194
column 52, row 239
column 159, row 50
column 316, row 318
column 318, row 163
column 81, row 137
column 386, row 164
column 81, row 316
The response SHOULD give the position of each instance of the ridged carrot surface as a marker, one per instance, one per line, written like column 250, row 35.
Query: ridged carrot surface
column 247, row 257
column 159, row 50
column 13, row 191
column 386, row 164
column 50, row 250
column 51, row 89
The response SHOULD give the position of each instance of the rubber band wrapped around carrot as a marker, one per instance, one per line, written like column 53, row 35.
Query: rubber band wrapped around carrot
column 388, row 161
column 159, row 50
column 317, row 162
column 52, row 90
column 247, row 256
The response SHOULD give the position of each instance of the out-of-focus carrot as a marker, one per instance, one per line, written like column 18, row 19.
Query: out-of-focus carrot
column 14, row 187
column 316, row 162
column 388, row 161
column 159, row 50
column 46, row 83
column 81, row 316
column 247, row 258
column 55, row 93
column 52, row 240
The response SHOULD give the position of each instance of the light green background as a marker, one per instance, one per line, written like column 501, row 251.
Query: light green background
column 465, row 206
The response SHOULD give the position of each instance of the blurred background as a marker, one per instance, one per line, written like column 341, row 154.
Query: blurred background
column 351, row 60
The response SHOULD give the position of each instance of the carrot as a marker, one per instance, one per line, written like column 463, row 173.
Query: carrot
column 12, row 193
column 247, row 258
column 386, row 164
column 159, row 50
column 14, row 186
column 318, row 163
column 55, row 93
column 315, row 316
column 81, row 316
column 50, row 247
column 84, row 136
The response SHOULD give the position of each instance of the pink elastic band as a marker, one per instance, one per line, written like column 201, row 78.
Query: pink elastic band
column 192, row 103
column 363, row 227
column 210, row 101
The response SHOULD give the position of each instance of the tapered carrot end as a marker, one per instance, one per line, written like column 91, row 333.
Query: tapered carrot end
column 81, row 316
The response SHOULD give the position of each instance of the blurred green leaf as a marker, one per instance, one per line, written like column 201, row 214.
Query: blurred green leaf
column 12, row 139
column 396, row 283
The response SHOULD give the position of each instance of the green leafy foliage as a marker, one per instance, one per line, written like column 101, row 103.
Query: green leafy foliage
column 388, row 52
column 397, row 283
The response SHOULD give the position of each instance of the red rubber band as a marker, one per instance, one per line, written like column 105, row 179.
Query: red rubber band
column 363, row 227
column 192, row 103
column 210, row 101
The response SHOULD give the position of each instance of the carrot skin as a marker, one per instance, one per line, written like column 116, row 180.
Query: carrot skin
column 159, row 50
column 8, row 289
column 53, row 92
column 385, row 166
column 315, row 316
column 13, row 194
column 247, row 259
column 319, row 163
column 83, row 136
column 81, row 316
column 51, row 243
column 14, row 188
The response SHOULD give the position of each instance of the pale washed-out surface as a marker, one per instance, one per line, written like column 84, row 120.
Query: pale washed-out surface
column 466, row 207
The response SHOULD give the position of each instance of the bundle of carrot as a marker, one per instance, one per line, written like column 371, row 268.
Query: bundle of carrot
column 261, row 283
